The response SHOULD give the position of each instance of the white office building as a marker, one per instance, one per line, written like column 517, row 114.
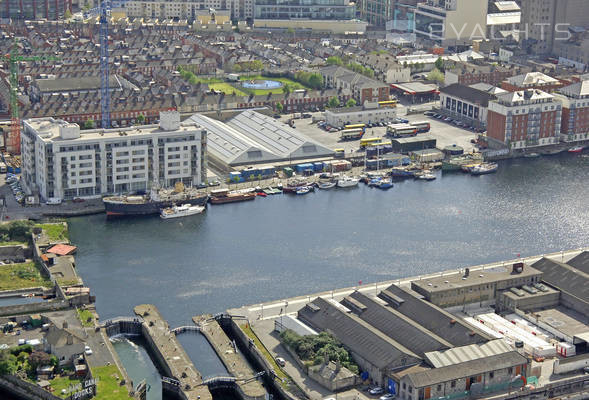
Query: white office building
column 61, row 161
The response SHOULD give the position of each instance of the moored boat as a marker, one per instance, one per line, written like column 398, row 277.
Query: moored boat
column 374, row 182
column 531, row 155
column 426, row 175
column 401, row 172
column 345, row 182
column 576, row 149
column 153, row 202
column 385, row 184
column 303, row 190
column 469, row 167
column 181, row 211
column 552, row 152
column 485, row 168
column 222, row 196
column 326, row 185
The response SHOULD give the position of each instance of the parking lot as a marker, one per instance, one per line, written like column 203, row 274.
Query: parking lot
column 445, row 133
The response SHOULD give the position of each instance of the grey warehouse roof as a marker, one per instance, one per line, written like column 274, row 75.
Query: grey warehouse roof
column 75, row 84
column 431, row 317
column 566, row 278
column 467, row 353
column 250, row 137
column 397, row 326
column 358, row 336
column 468, row 368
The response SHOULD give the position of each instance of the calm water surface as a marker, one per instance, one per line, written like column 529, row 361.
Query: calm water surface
column 282, row 246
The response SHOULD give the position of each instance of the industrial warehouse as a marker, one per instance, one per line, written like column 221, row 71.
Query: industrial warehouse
column 253, row 138
column 479, row 331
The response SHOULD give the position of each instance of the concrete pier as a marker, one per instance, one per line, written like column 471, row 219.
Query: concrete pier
column 246, row 385
column 185, row 380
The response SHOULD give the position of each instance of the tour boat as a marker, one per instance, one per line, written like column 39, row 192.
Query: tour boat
column 531, row 155
column 485, row 168
column 346, row 181
column 426, row 176
column 385, row 184
column 181, row 211
column 576, row 149
column 326, row 185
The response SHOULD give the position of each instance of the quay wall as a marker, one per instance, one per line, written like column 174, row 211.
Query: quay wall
column 256, row 357
column 24, row 390
column 34, row 308
column 234, row 363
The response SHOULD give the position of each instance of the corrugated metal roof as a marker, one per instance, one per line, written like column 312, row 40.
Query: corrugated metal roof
column 461, row 354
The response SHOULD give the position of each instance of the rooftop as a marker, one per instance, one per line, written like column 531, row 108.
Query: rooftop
column 459, row 281
column 532, row 79
column 253, row 137
column 523, row 96
column 566, row 278
column 52, row 130
column 75, row 84
column 468, row 93
column 415, row 87
column 431, row 317
column 485, row 87
column 396, row 325
column 357, row 335
column 576, row 90
column 467, row 353
column 467, row 368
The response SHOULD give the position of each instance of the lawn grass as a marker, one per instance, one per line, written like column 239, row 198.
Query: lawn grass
column 86, row 316
column 226, row 88
column 294, row 85
column 55, row 232
column 251, row 334
column 21, row 276
column 108, row 386
column 13, row 243
column 201, row 79
column 63, row 383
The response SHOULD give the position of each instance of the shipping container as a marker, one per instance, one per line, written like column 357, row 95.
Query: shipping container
column 318, row 166
column 288, row 171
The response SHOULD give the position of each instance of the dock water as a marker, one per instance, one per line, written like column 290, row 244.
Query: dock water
column 183, row 378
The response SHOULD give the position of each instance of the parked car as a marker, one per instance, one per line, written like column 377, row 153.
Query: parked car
column 429, row 113
column 376, row 390
column 78, row 200
column 87, row 350
column 280, row 361
column 387, row 396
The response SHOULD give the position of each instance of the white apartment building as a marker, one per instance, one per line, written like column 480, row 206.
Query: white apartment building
column 452, row 22
column 359, row 115
column 60, row 160
column 185, row 9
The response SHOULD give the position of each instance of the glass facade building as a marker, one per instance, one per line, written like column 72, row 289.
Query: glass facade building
column 34, row 9
column 305, row 9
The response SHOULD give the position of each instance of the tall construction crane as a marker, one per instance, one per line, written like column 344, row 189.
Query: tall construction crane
column 12, row 142
column 104, row 72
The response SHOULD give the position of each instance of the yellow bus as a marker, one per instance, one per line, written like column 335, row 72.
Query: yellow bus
column 339, row 153
column 387, row 103
column 369, row 141
column 381, row 143
column 356, row 126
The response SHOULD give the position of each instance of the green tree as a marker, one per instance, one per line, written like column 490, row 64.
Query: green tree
column 440, row 64
column 237, row 68
column 89, row 124
column 140, row 119
column 436, row 75
column 334, row 60
column 7, row 363
column 351, row 103
column 333, row 102
column 290, row 31
column 315, row 81
column 279, row 107
column 67, row 14
column 287, row 88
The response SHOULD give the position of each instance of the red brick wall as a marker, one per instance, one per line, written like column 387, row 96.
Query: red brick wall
column 564, row 123
column 547, row 123
column 519, row 130
column 496, row 126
